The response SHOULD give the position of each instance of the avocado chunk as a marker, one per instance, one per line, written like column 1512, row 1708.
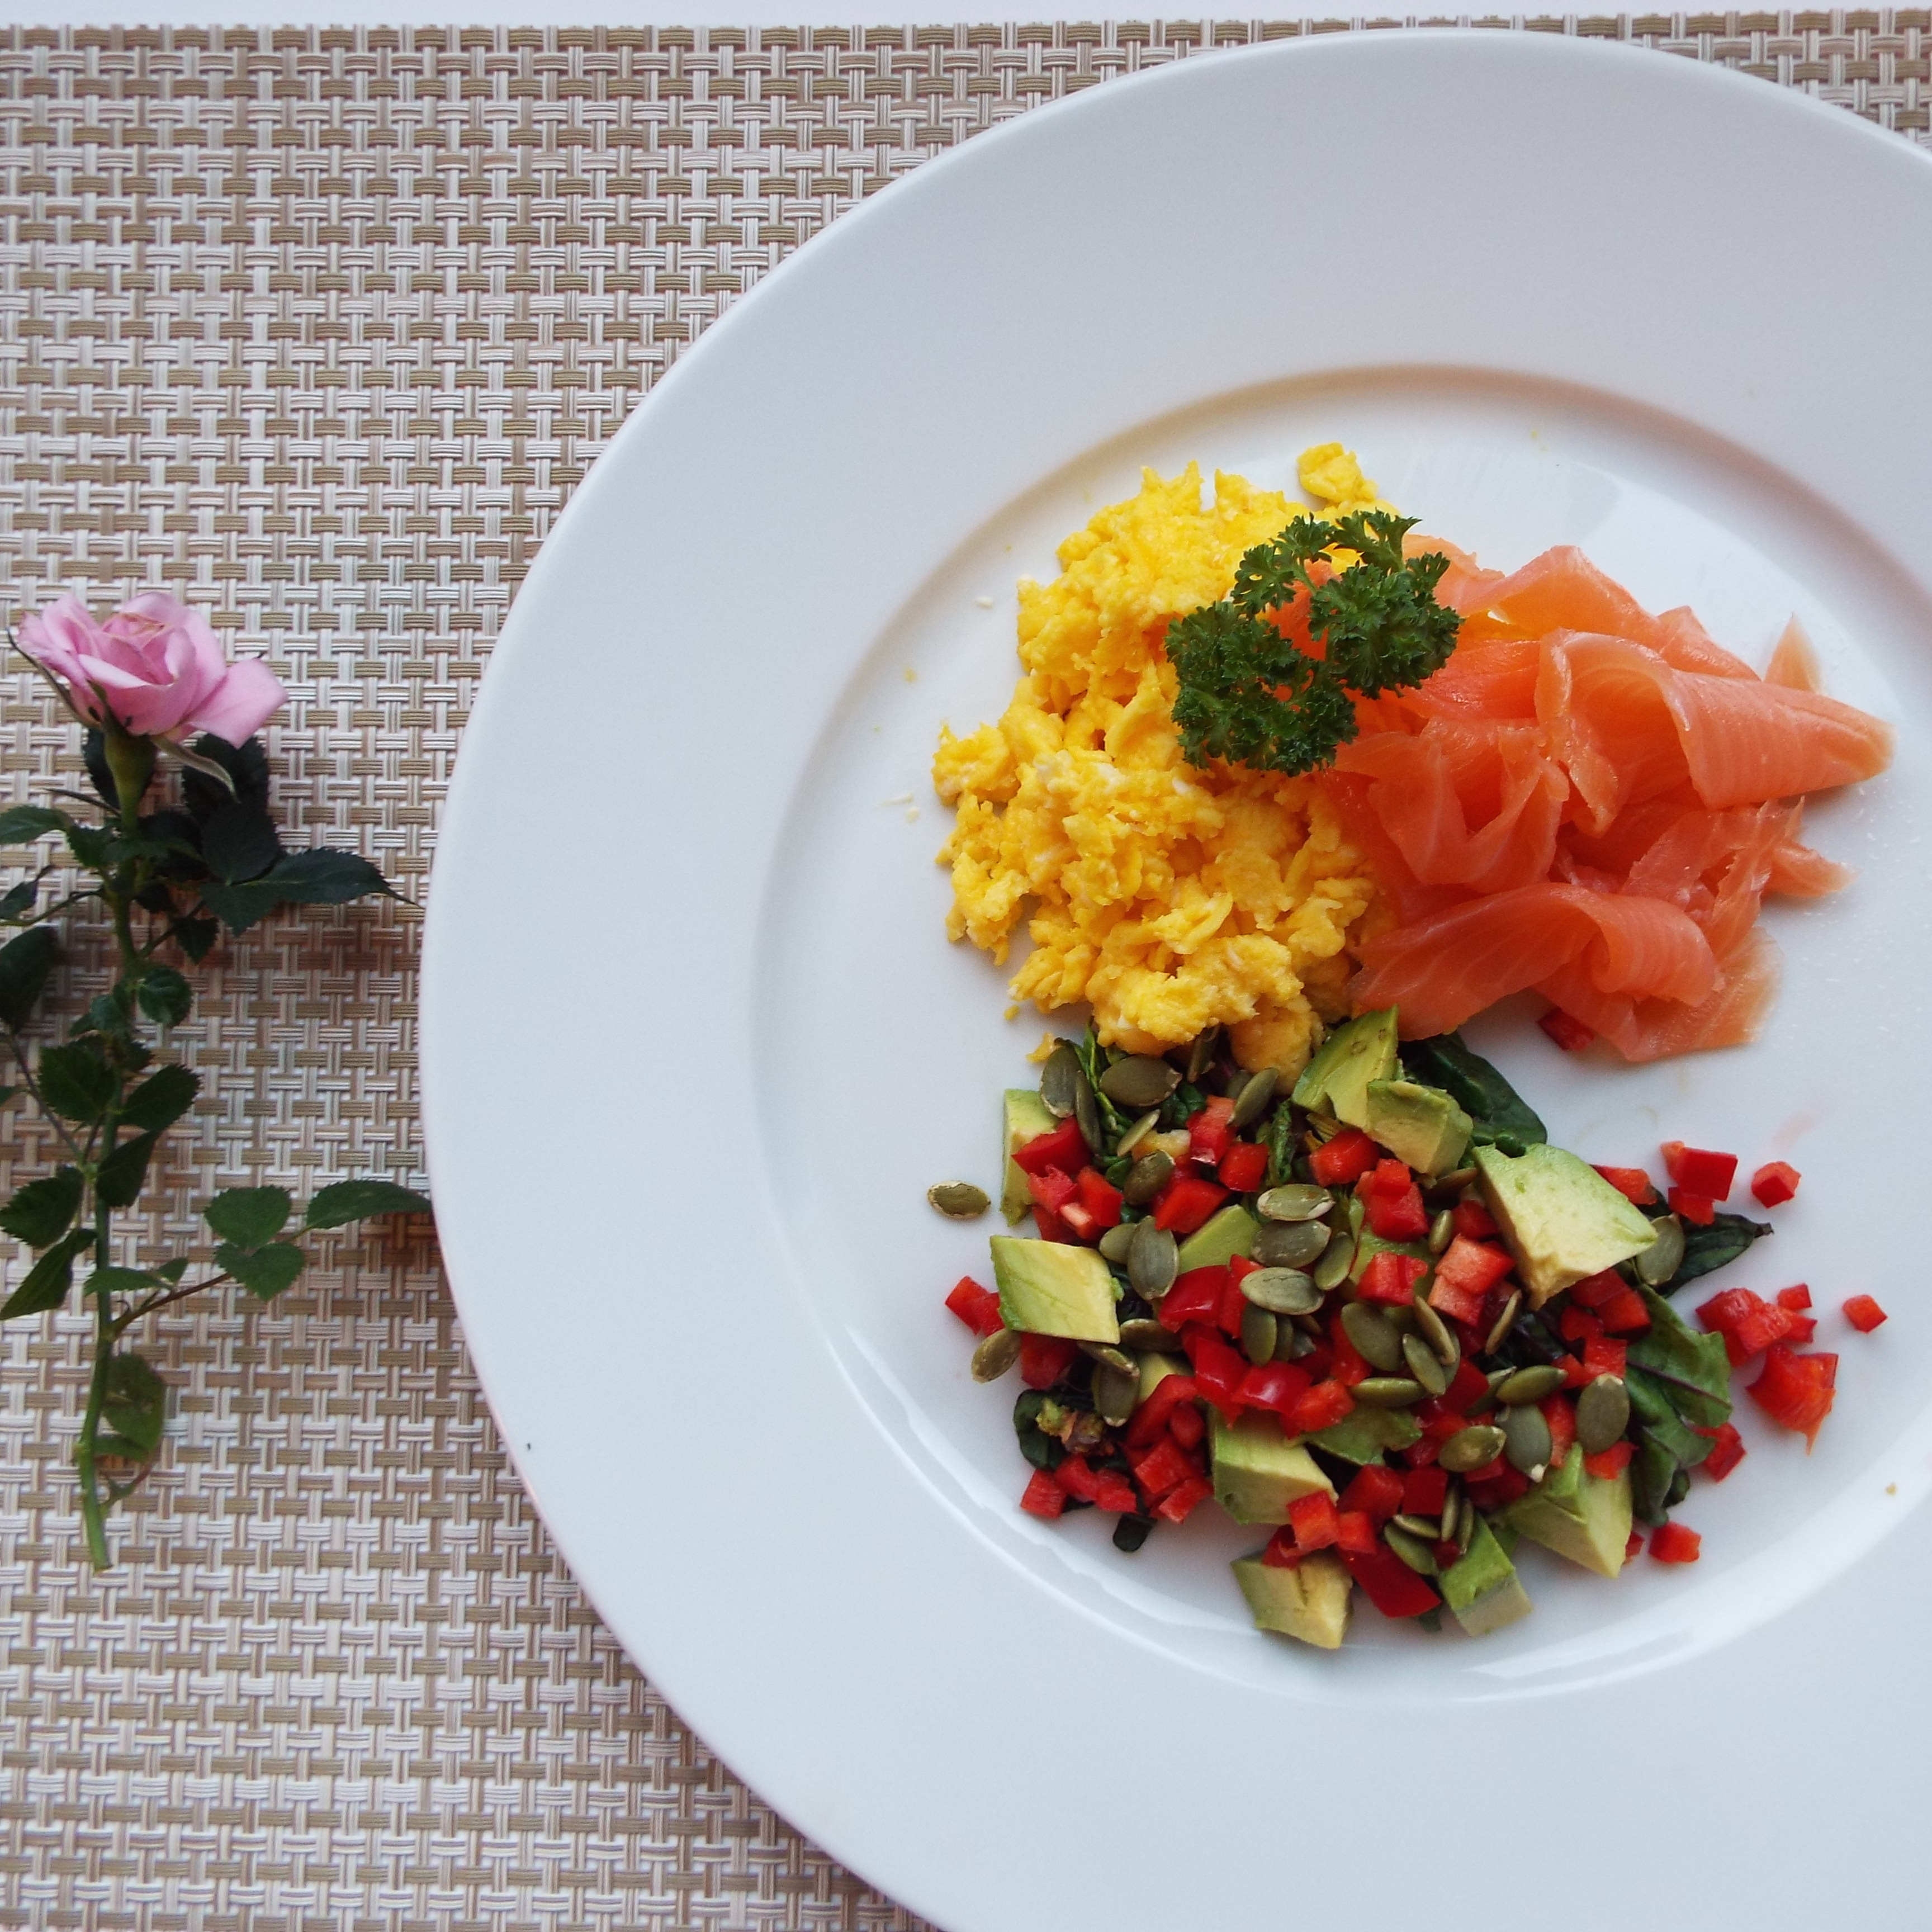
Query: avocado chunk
column 1053, row 1288
column 1362, row 1435
column 1230, row 1232
column 1559, row 1217
column 1155, row 1369
column 1310, row 1601
column 1481, row 1587
column 1258, row 1470
column 1422, row 1127
column 1336, row 1080
column 1028, row 1118
column 1584, row 1517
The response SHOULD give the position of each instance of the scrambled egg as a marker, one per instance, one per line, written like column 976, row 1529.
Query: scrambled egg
column 1169, row 897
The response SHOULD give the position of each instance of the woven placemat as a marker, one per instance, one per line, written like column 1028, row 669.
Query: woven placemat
column 319, row 328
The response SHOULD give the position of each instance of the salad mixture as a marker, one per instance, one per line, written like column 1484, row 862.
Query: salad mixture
column 1375, row 1310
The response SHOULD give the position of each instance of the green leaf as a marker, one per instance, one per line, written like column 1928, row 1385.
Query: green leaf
column 21, row 824
column 247, row 766
column 112, row 1013
column 160, row 1099
column 1653, row 1470
column 25, row 960
column 249, row 1216
column 239, row 907
column 342, row 1201
column 7, row 1093
column 47, row 1282
column 1692, row 1369
column 1281, row 1147
column 1475, row 1086
column 120, row 1281
column 77, row 1083
column 124, row 1172
column 93, row 845
column 1708, row 1248
column 171, row 1272
column 17, row 900
column 238, row 842
column 196, row 937
column 133, row 1408
column 325, row 877
column 264, row 1272
column 42, row 1211
column 1658, row 1419
column 165, row 996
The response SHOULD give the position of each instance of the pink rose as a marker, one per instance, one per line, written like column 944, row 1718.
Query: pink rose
column 154, row 667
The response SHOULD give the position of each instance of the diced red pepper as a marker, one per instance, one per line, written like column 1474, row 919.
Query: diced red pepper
column 1179, row 1504
column 1349, row 1367
column 1804, row 1330
column 1162, row 1400
column 1560, row 1412
column 978, row 1307
column 1100, row 1198
column 1864, row 1313
column 1423, row 1491
column 1051, row 1227
column 1052, row 1189
column 1603, row 1356
column 1117, row 1496
column 1575, row 1375
column 1699, row 1170
column 1593, row 1290
column 1186, row 1203
column 1355, row 1532
column 1186, row 1425
column 1468, row 1383
column 1375, row 1490
column 1210, row 1131
column 1321, row 1407
column 1624, row 1313
column 1446, row 1298
column 1418, row 1455
column 1218, row 1369
column 1570, row 1034
column 1044, row 1359
column 1275, row 1385
column 1064, row 1147
column 1391, row 1585
column 1281, row 1553
column 1728, row 1453
column 1313, row 1519
column 1799, row 1296
column 1162, row 1468
column 1342, row 1161
column 1043, row 1495
column 1474, row 1222
column 1318, row 1360
column 1234, row 1307
column 1578, row 1325
column 1674, row 1543
column 1498, row 1491
column 1400, row 1218
column 1632, row 1183
column 1746, row 1322
column 1391, row 1277
column 1243, row 1167
column 1796, row 1389
column 1606, row 1465
column 1079, row 1223
column 1078, row 1479
column 1437, row 1420
column 1701, row 1208
column 1388, row 1178
column 1774, row 1183
column 1195, row 1296
column 1474, row 1266
column 1634, row 1545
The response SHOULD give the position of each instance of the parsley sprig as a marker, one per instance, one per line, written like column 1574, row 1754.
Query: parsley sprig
column 1248, row 695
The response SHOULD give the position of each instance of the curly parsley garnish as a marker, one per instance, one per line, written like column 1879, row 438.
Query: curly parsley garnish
column 1249, row 696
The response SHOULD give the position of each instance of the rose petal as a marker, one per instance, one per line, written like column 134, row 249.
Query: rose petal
column 249, row 696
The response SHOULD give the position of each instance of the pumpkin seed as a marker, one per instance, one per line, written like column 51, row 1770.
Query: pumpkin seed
column 1087, row 1111
column 1423, row 1365
column 1294, row 1342
column 1298, row 1201
column 1412, row 1549
column 1665, row 1255
column 1472, row 1448
column 959, row 1200
column 996, row 1354
column 1201, row 1054
column 1148, row 1337
column 1451, row 1515
column 1602, row 1414
column 1259, row 1333
column 1252, row 1102
column 1388, row 1392
column 1442, row 1230
column 1505, row 1322
column 1056, row 1080
column 1425, row 1527
column 1526, row 1432
column 1124, row 1147
column 1282, row 1290
column 1291, row 1244
column 1116, row 1241
column 1109, row 1357
column 1377, row 1339
column 1309, row 1325
column 1439, row 1336
column 1116, row 1395
column 1147, row 1178
column 1530, row 1384
column 1331, row 1269
column 1152, row 1260
column 1139, row 1080
column 1457, row 1179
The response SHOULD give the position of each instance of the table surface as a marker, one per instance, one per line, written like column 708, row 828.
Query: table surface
column 318, row 327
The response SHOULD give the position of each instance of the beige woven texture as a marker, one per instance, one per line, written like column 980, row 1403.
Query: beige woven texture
column 318, row 328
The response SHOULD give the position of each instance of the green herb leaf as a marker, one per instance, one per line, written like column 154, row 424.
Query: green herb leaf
column 342, row 1201
column 264, row 1272
column 1281, row 1146
column 41, row 1212
column 239, row 842
column 1692, row 1369
column 196, row 937
column 249, row 1217
column 25, row 960
column 1496, row 1107
column 21, row 824
column 76, row 1081
column 164, row 996
column 160, row 1099
column 133, row 1408
column 47, row 1282
column 124, row 1172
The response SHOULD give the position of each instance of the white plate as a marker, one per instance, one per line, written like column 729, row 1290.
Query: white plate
column 695, row 1044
